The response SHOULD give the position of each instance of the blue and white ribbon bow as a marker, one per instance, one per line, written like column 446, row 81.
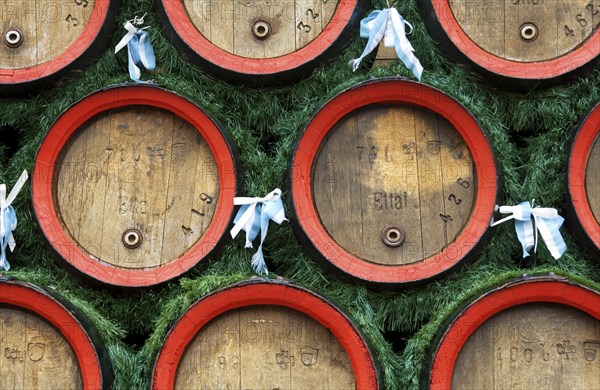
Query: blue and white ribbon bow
column 8, row 219
column 139, row 48
column 389, row 25
column 254, row 216
column 547, row 223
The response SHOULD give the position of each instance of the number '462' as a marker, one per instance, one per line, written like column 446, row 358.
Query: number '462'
column 581, row 19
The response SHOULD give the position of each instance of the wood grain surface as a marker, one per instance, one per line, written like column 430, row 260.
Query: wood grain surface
column 496, row 25
column 137, row 168
column 592, row 178
column 33, row 355
column 265, row 347
column 228, row 24
column 48, row 29
column 532, row 346
column 397, row 164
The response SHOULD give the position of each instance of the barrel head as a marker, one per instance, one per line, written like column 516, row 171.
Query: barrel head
column 134, row 186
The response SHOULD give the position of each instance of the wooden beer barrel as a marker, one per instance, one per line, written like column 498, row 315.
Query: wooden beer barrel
column 583, row 182
column 261, row 42
column 44, row 345
column 392, row 182
column 533, row 333
column 43, row 40
column 134, row 185
column 526, row 42
column 264, row 334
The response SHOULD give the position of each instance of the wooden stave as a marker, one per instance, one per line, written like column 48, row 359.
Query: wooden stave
column 279, row 293
column 386, row 282
column 579, row 214
column 92, row 356
column 206, row 248
column 36, row 77
column 521, row 80
column 258, row 77
column 553, row 289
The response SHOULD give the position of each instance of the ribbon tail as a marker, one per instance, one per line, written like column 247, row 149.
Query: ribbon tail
column 253, row 226
column 376, row 30
column 244, row 214
column 525, row 235
column 549, row 229
column 16, row 188
column 403, row 47
column 5, row 234
column 124, row 41
column 258, row 259
column 410, row 61
column 3, row 262
column 146, row 52
column 133, row 59
column 12, row 244
column 247, row 219
column 258, row 262
column 12, row 216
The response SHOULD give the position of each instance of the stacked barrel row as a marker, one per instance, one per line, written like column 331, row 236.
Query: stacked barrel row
column 391, row 184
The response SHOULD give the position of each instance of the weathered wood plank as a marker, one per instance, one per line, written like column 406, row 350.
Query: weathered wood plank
column 434, row 216
column 88, row 202
column 309, row 21
column 199, row 12
column 592, row 179
column 458, row 178
column 338, row 183
column 222, row 21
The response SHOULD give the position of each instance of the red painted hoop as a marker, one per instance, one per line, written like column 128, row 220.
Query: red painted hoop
column 263, row 293
column 525, row 291
column 578, row 158
column 579, row 57
column 96, row 29
column 33, row 299
column 347, row 12
column 403, row 92
column 58, row 137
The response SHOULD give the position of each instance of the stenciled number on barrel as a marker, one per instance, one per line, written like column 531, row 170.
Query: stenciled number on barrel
column 453, row 199
column 581, row 18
